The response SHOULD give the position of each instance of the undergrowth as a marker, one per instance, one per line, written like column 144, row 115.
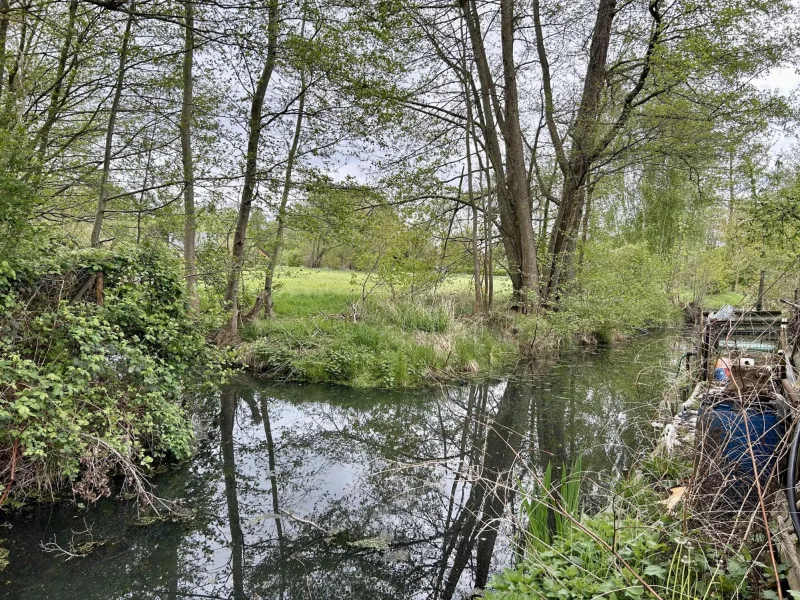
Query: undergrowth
column 94, row 379
column 632, row 549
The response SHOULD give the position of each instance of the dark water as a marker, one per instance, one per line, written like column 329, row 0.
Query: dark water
column 313, row 491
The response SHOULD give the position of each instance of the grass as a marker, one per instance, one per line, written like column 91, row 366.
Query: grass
column 322, row 332
column 401, row 345
column 716, row 301
column 301, row 292
column 390, row 343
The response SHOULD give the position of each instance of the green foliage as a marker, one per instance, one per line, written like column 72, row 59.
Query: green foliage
column 567, row 554
column 17, row 201
column 86, row 387
column 578, row 565
column 617, row 290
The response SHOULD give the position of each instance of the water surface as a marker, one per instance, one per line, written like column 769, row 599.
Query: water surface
column 322, row 492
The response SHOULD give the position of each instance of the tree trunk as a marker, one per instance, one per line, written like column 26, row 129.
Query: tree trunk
column 576, row 167
column 488, row 227
column 148, row 163
column 4, row 9
column 265, row 300
column 13, row 82
column 112, row 119
column 55, row 96
column 513, row 197
column 476, row 258
column 189, row 228
column 519, row 190
column 760, row 299
column 231, row 330
column 585, row 224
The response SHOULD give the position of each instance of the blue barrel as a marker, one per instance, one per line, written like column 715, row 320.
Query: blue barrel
column 725, row 439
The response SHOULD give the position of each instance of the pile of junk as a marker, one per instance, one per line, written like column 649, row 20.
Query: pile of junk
column 737, row 424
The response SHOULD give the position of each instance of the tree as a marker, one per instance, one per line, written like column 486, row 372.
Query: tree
column 189, row 229
column 230, row 331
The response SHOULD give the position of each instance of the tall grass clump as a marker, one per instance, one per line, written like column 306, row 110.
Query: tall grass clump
column 548, row 501
column 427, row 315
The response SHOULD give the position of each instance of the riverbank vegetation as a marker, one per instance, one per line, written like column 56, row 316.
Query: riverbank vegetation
column 323, row 330
column 89, row 389
column 175, row 175
column 636, row 547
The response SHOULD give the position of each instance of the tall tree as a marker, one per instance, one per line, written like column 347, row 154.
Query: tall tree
column 112, row 120
column 230, row 331
column 513, row 192
column 265, row 298
column 587, row 142
column 189, row 228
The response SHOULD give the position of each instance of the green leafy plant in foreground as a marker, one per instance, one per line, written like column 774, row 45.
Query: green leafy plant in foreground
column 577, row 566
column 566, row 555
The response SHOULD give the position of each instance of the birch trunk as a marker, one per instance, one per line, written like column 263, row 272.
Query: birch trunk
column 265, row 299
column 187, row 109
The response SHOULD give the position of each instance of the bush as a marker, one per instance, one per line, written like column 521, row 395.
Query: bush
column 89, row 388
column 617, row 290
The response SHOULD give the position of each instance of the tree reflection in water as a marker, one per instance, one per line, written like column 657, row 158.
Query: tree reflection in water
column 307, row 491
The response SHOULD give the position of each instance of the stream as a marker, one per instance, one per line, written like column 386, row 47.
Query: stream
column 323, row 492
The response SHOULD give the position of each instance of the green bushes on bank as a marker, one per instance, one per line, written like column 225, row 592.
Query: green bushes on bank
column 617, row 290
column 88, row 388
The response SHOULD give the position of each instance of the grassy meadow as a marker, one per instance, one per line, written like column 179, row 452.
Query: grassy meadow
column 322, row 332
column 301, row 292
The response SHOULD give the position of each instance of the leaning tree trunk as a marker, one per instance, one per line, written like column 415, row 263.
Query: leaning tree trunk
column 112, row 119
column 587, row 141
column 264, row 300
column 187, row 108
column 231, row 331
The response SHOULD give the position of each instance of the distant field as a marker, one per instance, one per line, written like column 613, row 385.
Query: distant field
column 716, row 301
column 300, row 291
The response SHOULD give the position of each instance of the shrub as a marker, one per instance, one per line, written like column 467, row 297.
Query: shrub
column 618, row 289
column 89, row 388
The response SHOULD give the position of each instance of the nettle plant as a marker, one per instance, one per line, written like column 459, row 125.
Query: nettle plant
column 96, row 383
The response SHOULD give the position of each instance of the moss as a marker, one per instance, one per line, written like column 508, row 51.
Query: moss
column 3, row 558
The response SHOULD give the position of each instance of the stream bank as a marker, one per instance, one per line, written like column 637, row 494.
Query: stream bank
column 350, row 493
